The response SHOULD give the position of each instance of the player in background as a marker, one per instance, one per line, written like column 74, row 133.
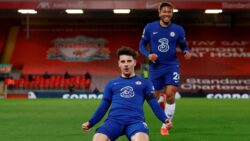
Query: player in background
column 163, row 37
column 126, row 95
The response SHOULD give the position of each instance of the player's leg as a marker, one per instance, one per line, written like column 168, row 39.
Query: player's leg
column 172, row 79
column 109, row 131
column 100, row 137
column 140, row 136
column 137, row 131
column 170, row 98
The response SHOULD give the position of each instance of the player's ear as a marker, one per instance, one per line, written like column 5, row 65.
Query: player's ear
column 118, row 63
column 159, row 8
column 159, row 11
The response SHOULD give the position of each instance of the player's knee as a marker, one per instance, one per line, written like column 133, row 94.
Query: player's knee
column 140, row 136
column 170, row 99
column 100, row 137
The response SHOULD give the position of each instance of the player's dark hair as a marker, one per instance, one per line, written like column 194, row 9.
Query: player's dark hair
column 126, row 51
column 165, row 4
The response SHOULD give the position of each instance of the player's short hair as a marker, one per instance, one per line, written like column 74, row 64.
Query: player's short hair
column 126, row 51
column 166, row 4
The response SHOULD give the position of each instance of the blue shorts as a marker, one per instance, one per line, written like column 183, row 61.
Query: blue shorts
column 115, row 129
column 169, row 76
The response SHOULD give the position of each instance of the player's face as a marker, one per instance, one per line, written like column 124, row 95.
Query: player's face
column 165, row 14
column 127, row 65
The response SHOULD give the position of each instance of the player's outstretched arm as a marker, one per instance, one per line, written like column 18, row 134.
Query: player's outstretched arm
column 156, row 108
column 99, row 114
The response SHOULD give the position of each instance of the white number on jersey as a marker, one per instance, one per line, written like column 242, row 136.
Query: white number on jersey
column 176, row 76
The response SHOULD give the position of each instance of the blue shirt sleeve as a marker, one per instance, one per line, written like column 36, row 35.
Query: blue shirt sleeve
column 100, row 112
column 144, row 40
column 103, row 107
column 149, row 88
column 107, row 94
column 146, row 33
column 182, row 40
column 156, row 108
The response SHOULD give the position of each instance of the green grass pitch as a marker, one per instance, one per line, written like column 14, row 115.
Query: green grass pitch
column 60, row 120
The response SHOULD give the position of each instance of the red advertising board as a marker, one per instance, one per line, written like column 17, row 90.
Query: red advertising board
column 15, row 96
column 220, row 55
column 220, row 60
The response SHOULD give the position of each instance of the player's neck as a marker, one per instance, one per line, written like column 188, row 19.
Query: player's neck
column 164, row 24
column 128, row 75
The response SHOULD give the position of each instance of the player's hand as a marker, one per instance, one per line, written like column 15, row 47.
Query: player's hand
column 187, row 55
column 85, row 127
column 152, row 57
column 168, row 124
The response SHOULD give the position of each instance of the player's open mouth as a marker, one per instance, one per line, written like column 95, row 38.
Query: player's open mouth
column 166, row 17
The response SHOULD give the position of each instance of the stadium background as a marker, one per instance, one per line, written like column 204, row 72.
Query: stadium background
column 54, row 41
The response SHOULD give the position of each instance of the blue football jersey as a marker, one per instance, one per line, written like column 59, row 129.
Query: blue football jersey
column 127, row 96
column 163, row 42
